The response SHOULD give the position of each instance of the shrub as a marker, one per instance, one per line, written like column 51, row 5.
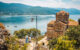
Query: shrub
column 79, row 21
column 30, row 32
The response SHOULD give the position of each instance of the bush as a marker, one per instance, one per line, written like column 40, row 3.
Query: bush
column 30, row 32
column 62, row 43
column 74, row 34
column 14, row 44
column 70, row 41
column 79, row 21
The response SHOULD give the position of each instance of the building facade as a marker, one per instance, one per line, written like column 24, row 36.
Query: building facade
column 62, row 16
column 58, row 27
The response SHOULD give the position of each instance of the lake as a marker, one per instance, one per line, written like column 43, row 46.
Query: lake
column 13, row 23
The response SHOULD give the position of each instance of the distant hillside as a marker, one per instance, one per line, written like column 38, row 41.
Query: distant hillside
column 21, row 9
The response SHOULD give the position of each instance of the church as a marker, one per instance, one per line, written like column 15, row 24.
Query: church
column 59, row 26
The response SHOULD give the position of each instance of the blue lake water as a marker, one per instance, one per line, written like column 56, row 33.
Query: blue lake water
column 24, row 22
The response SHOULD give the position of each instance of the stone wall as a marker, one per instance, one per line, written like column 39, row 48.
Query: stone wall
column 58, row 27
column 62, row 16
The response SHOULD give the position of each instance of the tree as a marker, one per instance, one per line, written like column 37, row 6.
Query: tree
column 30, row 32
column 70, row 41
column 74, row 34
column 21, row 33
column 62, row 43
column 52, row 43
column 79, row 21
column 13, row 43
column 35, row 32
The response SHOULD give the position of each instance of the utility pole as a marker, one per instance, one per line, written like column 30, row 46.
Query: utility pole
column 36, row 47
column 36, row 34
column 36, row 31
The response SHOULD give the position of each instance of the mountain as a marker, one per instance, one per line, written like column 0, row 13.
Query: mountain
column 21, row 9
column 72, row 11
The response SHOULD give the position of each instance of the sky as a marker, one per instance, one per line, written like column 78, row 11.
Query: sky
column 48, row 3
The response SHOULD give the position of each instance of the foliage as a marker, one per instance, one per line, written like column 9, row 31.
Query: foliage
column 70, row 41
column 34, row 32
column 62, row 43
column 24, row 47
column 30, row 32
column 52, row 43
column 74, row 34
column 79, row 21
column 21, row 33
column 21, row 9
column 14, row 44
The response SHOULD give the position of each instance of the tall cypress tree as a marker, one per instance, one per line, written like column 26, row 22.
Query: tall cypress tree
column 79, row 21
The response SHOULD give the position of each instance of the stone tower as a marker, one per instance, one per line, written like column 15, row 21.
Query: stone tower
column 62, row 16
column 58, row 27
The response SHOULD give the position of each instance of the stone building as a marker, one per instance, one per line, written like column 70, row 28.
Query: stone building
column 58, row 27
column 62, row 16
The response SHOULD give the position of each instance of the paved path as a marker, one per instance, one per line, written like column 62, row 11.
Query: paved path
column 44, row 40
column 33, row 44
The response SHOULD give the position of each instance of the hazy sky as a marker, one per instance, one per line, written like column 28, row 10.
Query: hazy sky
column 48, row 3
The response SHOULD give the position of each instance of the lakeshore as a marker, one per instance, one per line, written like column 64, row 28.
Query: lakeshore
column 24, row 22
column 32, row 38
